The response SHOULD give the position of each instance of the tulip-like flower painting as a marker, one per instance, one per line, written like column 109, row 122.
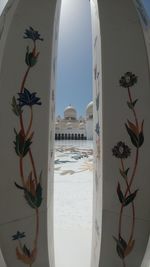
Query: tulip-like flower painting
column 29, row 184
column 134, row 128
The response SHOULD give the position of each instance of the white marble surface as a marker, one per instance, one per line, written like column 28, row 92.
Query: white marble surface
column 73, row 190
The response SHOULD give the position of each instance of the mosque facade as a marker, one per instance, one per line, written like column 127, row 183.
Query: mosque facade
column 70, row 127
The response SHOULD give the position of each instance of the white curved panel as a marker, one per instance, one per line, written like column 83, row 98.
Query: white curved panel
column 27, row 80
column 124, row 75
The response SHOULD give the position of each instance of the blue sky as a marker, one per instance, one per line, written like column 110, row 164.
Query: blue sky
column 74, row 73
column 147, row 5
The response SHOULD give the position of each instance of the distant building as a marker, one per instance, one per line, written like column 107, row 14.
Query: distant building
column 72, row 128
column 89, row 121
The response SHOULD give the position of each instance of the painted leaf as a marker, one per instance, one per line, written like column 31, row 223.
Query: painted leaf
column 124, row 173
column 129, row 247
column 30, row 184
column 133, row 127
column 26, row 251
column 120, row 194
column 38, row 195
column 141, row 135
column 121, row 246
column 97, row 129
column 24, row 257
column 133, row 136
column 134, row 102
column 15, row 107
column 130, row 198
column 132, row 105
column 30, row 199
column 35, row 200
column 22, row 145
column 18, row 186
column 141, row 139
column 123, row 242
column 31, row 58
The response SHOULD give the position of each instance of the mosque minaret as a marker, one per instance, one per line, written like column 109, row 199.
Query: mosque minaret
column 72, row 128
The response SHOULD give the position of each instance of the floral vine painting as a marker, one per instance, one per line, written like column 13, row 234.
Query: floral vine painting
column 134, row 128
column 29, row 184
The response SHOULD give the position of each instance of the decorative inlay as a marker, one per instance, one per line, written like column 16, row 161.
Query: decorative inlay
column 125, row 244
column 30, row 181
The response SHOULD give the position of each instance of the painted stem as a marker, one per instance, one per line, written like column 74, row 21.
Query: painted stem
column 21, row 124
column 135, row 167
column 33, row 166
column 37, row 228
column 30, row 124
column 133, row 109
column 24, row 79
column 133, row 208
column 21, row 171
column 132, row 176
column 137, row 150
column 27, row 71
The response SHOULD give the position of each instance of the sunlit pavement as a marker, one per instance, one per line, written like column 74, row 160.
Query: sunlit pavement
column 73, row 204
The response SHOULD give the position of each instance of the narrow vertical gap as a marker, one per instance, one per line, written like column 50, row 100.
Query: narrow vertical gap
column 73, row 168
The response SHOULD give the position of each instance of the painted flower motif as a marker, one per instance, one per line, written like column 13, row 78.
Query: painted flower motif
column 28, row 99
column 121, row 150
column 87, row 166
column 128, row 80
column 97, row 129
column 18, row 235
column 32, row 34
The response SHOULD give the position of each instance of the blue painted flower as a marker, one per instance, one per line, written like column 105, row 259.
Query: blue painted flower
column 18, row 235
column 97, row 129
column 32, row 34
column 28, row 99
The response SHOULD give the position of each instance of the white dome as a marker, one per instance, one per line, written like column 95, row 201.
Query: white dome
column 70, row 112
column 89, row 108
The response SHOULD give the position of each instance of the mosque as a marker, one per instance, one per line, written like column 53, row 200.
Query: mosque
column 72, row 128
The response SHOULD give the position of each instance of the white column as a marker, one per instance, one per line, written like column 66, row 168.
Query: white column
column 28, row 42
column 121, row 223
